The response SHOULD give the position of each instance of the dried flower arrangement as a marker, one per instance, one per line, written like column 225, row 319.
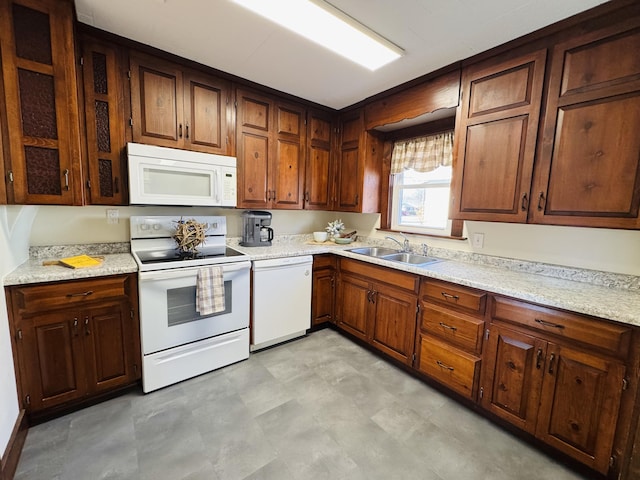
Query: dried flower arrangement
column 189, row 235
column 334, row 228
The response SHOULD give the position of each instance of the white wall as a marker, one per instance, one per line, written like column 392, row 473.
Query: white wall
column 15, row 226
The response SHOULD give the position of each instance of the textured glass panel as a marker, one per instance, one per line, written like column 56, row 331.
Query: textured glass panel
column 102, row 126
column 43, row 171
column 38, row 102
column 32, row 34
column 106, row 175
column 100, row 73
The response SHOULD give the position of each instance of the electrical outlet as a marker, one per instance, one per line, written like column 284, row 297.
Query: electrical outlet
column 113, row 216
column 477, row 240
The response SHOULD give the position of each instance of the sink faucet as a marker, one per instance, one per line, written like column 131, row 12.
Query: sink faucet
column 404, row 245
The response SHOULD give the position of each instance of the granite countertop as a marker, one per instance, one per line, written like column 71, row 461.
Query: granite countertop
column 600, row 294
column 608, row 302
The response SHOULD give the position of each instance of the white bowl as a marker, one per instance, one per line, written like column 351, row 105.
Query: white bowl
column 320, row 236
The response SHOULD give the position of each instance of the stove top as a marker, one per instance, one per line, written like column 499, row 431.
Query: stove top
column 154, row 248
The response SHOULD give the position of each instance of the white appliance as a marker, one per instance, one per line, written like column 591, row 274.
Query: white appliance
column 281, row 300
column 177, row 342
column 169, row 176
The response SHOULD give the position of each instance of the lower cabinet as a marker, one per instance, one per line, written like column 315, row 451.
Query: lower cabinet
column 567, row 379
column 378, row 305
column 449, row 341
column 76, row 340
column 550, row 373
column 323, row 290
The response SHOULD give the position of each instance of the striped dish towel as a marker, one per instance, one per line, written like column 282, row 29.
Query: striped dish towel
column 210, row 291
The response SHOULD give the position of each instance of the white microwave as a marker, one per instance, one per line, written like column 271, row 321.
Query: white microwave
column 169, row 176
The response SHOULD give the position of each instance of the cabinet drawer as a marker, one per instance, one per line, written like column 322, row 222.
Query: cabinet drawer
column 456, row 296
column 390, row 276
column 601, row 334
column 38, row 298
column 456, row 328
column 324, row 261
column 452, row 367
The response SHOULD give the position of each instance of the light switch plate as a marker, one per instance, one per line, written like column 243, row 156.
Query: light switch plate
column 113, row 215
column 477, row 240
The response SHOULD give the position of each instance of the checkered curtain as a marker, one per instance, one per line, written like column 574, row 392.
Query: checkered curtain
column 422, row 154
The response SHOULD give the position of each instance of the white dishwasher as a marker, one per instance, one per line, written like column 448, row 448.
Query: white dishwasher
column 281, row 300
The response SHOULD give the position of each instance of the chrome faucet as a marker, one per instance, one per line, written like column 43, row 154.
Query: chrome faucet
column 404, row 245
column 425, row 250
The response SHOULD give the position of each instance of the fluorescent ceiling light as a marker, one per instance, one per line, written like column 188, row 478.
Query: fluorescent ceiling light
column 325, row 25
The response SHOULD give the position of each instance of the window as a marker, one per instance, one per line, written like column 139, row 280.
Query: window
column 421, row 181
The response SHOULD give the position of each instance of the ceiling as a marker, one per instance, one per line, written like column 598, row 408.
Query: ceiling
column 223, row 35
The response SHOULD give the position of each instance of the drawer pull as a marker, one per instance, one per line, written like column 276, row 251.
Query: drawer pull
column 449, row 296
column 549, row 324
column 83, row 294
column 86, row 326
column 442, row 365
column 448, row 327
column 539, row 358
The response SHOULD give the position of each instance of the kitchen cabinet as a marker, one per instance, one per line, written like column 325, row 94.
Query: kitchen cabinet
column 41, row 100
column 320, row 166
column 588, row 171
column 449, row 340
column 105, row 108
column 557, row 375
column 324, row 286
column 496, row 130
column 173, row 106
column 359, row 169
column 271, row 147
column 378, row 305
column 74, row 340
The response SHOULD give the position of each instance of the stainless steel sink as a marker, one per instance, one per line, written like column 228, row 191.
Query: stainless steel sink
column 374, row 251
column 410, row 258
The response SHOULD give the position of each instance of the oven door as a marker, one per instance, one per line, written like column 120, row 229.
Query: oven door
column 168, row 316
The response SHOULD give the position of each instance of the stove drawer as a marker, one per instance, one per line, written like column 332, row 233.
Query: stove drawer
column 36, row 298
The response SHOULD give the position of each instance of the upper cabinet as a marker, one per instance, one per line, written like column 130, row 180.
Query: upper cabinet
column 271, row 151
column 584, row 167
column 41, row 100
column 105, row 108
column 173, row 106
column 495, row 137
column 359, row 168
column 589, row 164
column 320, row 168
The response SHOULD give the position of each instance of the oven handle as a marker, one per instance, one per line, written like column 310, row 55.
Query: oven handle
column 188, row 271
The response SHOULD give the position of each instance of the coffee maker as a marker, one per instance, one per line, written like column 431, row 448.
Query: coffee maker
column 255, row 229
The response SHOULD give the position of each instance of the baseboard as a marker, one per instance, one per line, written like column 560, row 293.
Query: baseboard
column 14, row 447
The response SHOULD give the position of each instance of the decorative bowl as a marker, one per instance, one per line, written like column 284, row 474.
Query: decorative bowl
column 343, row 241
column 320, row 236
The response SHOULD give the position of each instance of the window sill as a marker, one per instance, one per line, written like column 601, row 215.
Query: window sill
column 449, row 237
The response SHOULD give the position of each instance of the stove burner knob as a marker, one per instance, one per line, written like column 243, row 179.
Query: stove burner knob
column 144, row 226
column 156, row 226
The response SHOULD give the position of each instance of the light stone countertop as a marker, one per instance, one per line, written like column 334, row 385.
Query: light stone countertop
column 619, row 304
column 608, row 302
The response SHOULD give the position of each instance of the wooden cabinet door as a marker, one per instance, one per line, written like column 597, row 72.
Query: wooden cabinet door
column 104, row 104
column 513, row 367
column 589, row 165
column 287, row 174
column 349, row 176
column 108, row 335
column 319, row 169
column 156, row 101
column 41, row 96
column 205, row 101
column 323, row 299
column 394, row 324
column 496, row 129
column 579, row 404
column 354, row 306
column 51, row 357
column 253, row 149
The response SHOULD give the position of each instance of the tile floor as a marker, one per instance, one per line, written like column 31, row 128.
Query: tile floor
column 320, row 407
